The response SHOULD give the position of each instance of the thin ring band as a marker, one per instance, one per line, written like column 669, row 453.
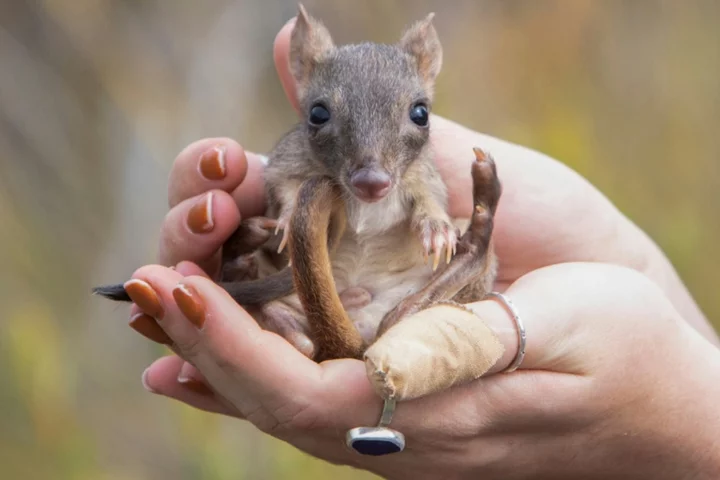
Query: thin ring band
column 387, row 412
column 520, row 330
column 379, row 440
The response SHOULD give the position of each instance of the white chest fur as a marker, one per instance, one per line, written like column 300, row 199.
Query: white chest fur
column 365, row 219
column 381, row 254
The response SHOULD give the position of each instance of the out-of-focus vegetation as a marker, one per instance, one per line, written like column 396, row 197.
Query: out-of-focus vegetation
column 98, row 96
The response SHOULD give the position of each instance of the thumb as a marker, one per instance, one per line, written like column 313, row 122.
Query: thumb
column 281, row 56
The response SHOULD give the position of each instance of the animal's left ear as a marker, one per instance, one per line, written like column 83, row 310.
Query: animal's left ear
column 422, row 43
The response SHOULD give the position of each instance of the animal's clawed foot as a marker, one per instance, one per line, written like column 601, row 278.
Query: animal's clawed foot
column 486, row 195
column 437, row 235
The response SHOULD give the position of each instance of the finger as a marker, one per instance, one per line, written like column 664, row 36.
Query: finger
column 257, row 371
column 565, row 311
column 187, row 269
column 250, row 194
column 281, row 56
column 211, row 163
column 571, row 313
column 162, row 378
column 583, row 321
column 196, row 228
column 225, row 343
column 146, row 325
column 222, row 164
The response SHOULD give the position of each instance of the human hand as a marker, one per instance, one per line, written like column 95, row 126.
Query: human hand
column 614, row 384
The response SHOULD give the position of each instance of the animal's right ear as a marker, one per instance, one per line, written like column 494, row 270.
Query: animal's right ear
column 421, row 42
column 310, row 41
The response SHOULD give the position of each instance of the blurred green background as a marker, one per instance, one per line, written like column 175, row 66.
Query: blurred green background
column 98, row 96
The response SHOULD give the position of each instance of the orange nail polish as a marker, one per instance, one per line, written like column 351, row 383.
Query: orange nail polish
column 146, row 326
column 143, row 295
column 212, row 163
column 190, row 304
column 200, row 216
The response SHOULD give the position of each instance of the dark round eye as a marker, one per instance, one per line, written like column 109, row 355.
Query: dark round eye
column 319, row 115
column 419, row 114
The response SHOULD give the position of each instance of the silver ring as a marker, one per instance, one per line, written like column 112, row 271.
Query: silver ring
column 520, row 330
column 387, row 412
column 379, row 440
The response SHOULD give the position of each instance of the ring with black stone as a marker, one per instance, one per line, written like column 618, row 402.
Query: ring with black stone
column 379, row 440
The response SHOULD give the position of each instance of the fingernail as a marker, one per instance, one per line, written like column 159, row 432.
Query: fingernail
column 146, row 326
column 264, row 160
column 145, row 385
column 200, row 218
column 186, row 372
column 190, row 304
column 212, row 163
column 195, row 385
column 187, row 378
column 143, row 295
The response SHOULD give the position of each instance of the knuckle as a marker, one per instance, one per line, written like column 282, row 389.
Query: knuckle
column 145, row 272
column 190, row 347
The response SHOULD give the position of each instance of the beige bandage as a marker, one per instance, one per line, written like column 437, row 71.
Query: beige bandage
column 430, row 351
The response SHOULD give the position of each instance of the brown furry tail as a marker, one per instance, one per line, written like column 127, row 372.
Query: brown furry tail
column 312, row 236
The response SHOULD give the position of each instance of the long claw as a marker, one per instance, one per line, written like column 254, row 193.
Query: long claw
column 436, row 259
column 283, row 242
column 451, row 240
column 427, row 246
column 480, row 155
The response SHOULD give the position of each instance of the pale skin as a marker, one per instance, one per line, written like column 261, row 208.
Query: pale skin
column 618, row 381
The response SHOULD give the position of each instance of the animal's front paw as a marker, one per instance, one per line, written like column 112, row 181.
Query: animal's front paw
column 436, row 235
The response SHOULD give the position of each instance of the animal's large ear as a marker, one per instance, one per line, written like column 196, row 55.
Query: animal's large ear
column 310, row 41
column 421, row 42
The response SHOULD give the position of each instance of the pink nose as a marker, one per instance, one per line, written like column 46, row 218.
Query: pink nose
column 370, row 185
